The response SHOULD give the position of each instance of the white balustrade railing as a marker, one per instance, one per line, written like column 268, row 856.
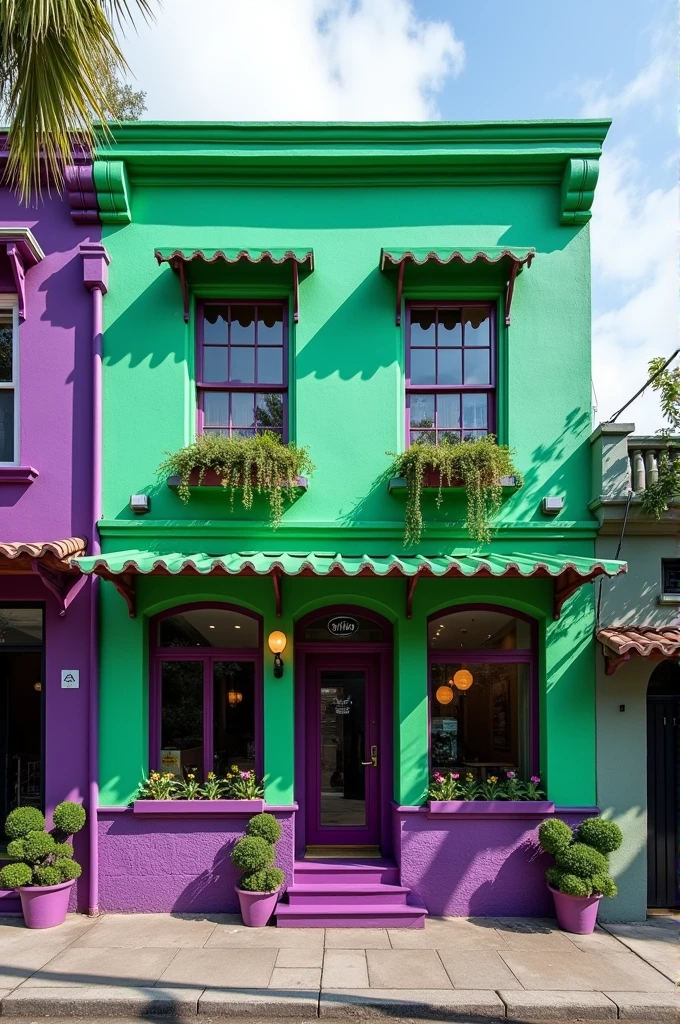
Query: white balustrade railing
column 644, row 454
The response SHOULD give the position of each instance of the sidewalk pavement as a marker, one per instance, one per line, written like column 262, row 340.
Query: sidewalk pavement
column 476, row 970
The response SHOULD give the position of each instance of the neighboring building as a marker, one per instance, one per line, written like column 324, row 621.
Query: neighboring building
column 371, row 270
column 638, row 687
column 47, row 647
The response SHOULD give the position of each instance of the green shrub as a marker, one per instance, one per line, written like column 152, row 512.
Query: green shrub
column 14, row 875
column 68, row 817
column 572, row 885
column 266, row 826
column 604, row 836
column 68, row 869
column 37, row 846
column 16, row 849
column 252, row 853
column 47, row 876
column 63, row 850
column 266, row 880
column 554, row 835
column 553, row 876
column 604, row 885
column 584, row 861
column 23, row 820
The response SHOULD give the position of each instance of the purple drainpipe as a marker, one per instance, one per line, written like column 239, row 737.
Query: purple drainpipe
column 95, row 277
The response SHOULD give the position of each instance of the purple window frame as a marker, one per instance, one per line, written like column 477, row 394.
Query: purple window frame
column 523, row 656
column 231, row 387
column 207, row 655
column 457, row 389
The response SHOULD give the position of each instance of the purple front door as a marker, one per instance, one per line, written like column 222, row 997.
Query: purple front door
column 343, row 764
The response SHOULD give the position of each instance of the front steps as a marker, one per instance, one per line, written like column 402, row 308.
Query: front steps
column 348, row 894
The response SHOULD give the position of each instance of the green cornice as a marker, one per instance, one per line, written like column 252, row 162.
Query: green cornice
column 113, row 192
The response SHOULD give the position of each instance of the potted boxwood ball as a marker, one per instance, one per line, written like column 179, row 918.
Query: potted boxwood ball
column 258, row 890
column 42, row 868
column 580, row 876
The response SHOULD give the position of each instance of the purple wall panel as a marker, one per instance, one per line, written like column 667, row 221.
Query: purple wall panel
column 175, row 864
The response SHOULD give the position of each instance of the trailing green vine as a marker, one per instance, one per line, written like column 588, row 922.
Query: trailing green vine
column 478, row 465
column 655, row 498
column 254, row 464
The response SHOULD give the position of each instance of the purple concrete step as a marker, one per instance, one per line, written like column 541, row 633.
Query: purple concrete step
column 360, row 915
column 346, row 872
column 343, row 894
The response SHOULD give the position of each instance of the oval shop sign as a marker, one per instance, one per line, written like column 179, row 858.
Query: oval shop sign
column 343, row 625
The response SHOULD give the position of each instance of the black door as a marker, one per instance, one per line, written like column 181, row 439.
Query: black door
column 663, row 736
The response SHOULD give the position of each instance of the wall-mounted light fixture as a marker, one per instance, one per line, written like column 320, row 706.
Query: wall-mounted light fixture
column 140, row 504
column 277, row 644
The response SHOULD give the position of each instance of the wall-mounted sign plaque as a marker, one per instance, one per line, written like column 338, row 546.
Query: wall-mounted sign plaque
column 343, row 626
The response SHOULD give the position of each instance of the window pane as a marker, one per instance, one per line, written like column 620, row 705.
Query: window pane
column 422, row 410
column 422, row 366
column 208, row 627
column 182, row 718
column 422, row 327
column 477, row 326
column 269, row 411
column 474, row 411
column 342, row 731
column 270, row 325
column 215, row 408
column 671, row 578
column 476, row 628
column 242, row 368
column 270, row 365
column 214, row 364
column 449, row 366
column 242, row 325
column 243, row 409
column 22, row 626
column 215, row 324
column 7, row 426
column 423, row 436
column 233, row 716
column 477, row 369
column 6, row 334
column 449, row 331
column 448, row 411
column 448, row 436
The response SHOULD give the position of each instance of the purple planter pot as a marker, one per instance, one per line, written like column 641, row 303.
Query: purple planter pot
column 45, row 906
column 576, row 914
column 197, row 808
column 490, row 808
column 257, row 907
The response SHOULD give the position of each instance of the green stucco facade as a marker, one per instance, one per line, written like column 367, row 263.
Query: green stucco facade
column 347, row 192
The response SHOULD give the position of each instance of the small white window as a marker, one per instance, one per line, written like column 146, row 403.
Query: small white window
column 9, row 382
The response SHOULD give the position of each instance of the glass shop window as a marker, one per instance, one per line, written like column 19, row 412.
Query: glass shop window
column 9, row 403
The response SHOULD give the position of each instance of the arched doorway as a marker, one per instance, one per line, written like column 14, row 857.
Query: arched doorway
column 343, row 729
column 663, row 782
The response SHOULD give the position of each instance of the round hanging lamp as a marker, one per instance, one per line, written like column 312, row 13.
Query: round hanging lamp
column 444, row 694
column 463, row 679
column 234, row 697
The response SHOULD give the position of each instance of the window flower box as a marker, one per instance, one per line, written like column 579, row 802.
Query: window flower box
column 399, row 484
column 213, row 479
column 490, row 808
column 196, row 808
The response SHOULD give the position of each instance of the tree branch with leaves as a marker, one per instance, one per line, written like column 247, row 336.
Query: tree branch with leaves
column 655, row 498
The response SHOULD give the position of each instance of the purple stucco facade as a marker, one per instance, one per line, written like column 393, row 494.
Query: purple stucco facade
column 55, row 402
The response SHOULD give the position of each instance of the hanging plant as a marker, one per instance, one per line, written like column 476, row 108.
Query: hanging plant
column 478, row 465
column 261, row 463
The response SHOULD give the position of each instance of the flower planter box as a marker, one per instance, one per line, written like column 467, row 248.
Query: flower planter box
column 197, row 808
column 213, row 479
column 398, row 484
column 490, row 808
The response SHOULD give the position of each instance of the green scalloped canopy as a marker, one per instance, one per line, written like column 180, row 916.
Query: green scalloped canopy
column 390, row 259
column 303, row 257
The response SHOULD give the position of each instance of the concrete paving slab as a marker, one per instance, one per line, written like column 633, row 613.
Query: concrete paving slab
column 305, row 978
column 422, row 1003
column 599, row 942
column 530, row 934
column 235, row 936
column 15, row 934
column 560, row 1006
column 268, row 1003
column 447, row 933
column 92, row 1001
column 117, row 967
column 219, row 968
column 651, row 943
column 157, row 930
column 357, row 938
column 299, row 958
column 651, row 1006
column 477, row 969
column 584, row 972
column 406, row 968
column 669, row 967
column 344, row 968
column 19, row 963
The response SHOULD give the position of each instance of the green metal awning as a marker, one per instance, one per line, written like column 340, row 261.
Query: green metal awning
column 510, row 261
column 301, row 261
column 122, row 568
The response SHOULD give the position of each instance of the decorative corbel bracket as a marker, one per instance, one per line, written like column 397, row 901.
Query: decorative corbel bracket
column 23, row 252
column 113, row 191
column 411, row 584
column 63, row 586
column 181, row 271
column 578, row 190
column 276, row 583
column 126, row 585
column 19, row 275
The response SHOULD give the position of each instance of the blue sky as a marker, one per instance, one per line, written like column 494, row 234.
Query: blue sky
column 461, row 60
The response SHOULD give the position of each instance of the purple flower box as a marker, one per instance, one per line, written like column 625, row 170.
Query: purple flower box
column 197, row 808
column 490, row 808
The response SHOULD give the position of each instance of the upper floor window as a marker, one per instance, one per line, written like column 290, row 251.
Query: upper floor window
column 242, row 368
column 450, row 371
column 670, row 577
column 9, row 405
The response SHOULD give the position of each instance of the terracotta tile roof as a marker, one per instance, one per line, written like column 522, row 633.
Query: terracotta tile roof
column 18, row 557
column 623, row 642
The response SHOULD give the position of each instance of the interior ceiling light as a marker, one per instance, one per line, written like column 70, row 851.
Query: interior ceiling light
column 444, row 695
column 463, row 679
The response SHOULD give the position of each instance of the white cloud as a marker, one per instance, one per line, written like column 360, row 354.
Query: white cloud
column 302, row 60
column 650, row 85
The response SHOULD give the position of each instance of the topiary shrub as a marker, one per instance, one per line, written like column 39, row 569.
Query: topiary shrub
column 581, row 859
column 41, row 858
column 254, row 855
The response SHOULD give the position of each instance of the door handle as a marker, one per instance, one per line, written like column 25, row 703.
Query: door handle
column 374, row 757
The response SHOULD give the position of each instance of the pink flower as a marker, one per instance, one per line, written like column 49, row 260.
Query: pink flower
column 535, row 779
column 438, row 777
column 245, row 775
column 455, row 775
column 510, row 775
